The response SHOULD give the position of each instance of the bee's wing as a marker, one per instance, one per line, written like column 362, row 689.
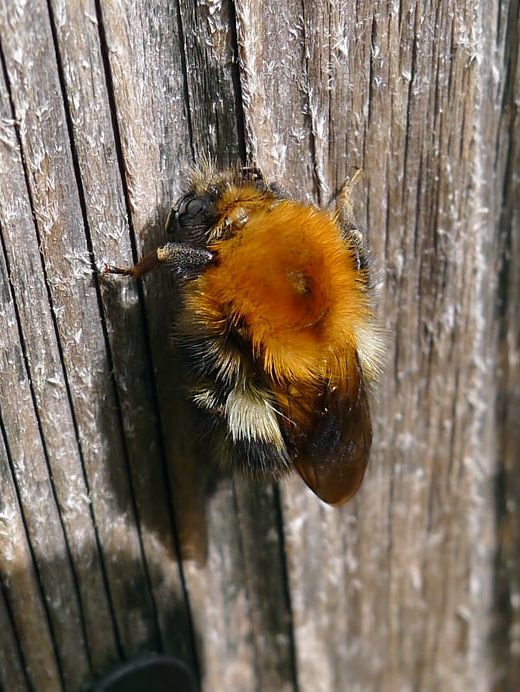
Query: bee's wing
column 331, row 450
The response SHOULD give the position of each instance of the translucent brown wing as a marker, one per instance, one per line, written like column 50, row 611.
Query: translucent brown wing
column 331, row 443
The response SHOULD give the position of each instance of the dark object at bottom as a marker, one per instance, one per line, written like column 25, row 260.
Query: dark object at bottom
column 151, row 673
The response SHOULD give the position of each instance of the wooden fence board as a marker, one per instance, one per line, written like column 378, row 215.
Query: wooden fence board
column 504, row 161
column 103, row 485
column 25, row 448
column 21, row 589
column 80, row 43
column 13, row 672
column 417, row 108
column 39, row 110
column 272, row 59
column 50, row 392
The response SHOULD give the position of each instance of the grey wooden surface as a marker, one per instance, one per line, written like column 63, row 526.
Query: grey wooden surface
column 115, row 539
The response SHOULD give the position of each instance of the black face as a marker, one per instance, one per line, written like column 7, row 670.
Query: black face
column 191, row 218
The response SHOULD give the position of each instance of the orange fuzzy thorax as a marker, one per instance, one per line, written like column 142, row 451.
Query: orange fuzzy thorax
column 288, row 283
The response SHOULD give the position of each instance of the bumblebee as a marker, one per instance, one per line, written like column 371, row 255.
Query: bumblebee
column 276, row 321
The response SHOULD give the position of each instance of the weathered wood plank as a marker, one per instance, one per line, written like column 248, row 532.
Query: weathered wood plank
column 50, row 391
column 13, row 671
column 20, row 588
column 504, row 161
column 258, row 511
column 398, row 562
column 38, row 107
column 213, row 99
column 278, row 130
column 105, row 106
column 88, row 97
column 146, row 80
column 35, row 488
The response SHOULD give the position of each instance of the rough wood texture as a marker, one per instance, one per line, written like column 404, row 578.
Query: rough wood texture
column 103, row 106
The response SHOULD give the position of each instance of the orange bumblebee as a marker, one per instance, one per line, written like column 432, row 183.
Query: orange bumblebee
column 277, row 323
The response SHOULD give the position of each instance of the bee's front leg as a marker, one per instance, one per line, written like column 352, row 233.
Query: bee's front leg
column 186, row 261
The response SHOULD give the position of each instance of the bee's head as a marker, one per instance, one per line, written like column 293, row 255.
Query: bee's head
column 199, row 216
column 191, row 218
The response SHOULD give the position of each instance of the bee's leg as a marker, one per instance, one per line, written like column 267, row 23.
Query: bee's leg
column 187, row 262
column 345, row 215
column 344, row 202
column 145, row 264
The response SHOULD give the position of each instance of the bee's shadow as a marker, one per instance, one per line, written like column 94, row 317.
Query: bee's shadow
column 171, row 474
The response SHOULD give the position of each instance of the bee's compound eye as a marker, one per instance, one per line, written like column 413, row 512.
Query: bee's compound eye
column 184, row 212
column 191, row 217
column 196, row 206
column 191, row 209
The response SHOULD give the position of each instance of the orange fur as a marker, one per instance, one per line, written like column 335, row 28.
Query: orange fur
column 288, row 283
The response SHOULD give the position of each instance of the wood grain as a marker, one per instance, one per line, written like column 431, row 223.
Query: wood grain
column 503, row 201
column 22, row 603
column 104, row 487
